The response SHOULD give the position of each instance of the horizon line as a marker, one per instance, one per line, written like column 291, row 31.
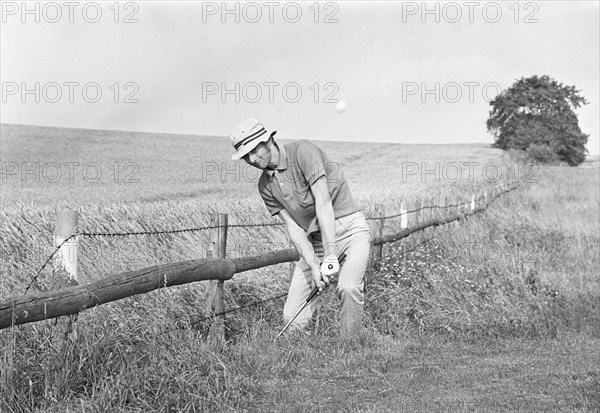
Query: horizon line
column 226, row 136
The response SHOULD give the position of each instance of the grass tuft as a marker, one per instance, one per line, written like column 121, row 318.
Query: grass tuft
column 498, row 312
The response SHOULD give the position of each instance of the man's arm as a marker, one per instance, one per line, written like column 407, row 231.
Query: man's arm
column 325, row 214
column 304, row 247
column 311, row 161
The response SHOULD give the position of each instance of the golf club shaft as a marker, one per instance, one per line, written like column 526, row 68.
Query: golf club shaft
column 310, row 297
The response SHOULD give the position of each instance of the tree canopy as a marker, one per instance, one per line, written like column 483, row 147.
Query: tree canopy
column 537, row 115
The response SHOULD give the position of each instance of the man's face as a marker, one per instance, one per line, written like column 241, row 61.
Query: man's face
column 259, row 157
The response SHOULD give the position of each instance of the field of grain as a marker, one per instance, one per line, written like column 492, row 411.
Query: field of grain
column 498, row 312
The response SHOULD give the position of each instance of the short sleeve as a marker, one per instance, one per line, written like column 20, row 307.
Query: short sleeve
column 273, row 206
column 310, row 161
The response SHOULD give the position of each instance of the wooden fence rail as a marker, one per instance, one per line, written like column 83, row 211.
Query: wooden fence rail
column 55, row 303
column 51, row 304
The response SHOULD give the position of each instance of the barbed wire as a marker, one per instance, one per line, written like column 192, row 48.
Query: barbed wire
column 177, row 231
column 422, row 208
column 47, row 261
column 273, row 298
column 204, row 228
column 121, row 234
column 258, row 302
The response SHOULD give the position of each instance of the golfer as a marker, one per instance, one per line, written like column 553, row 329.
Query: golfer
column 308, row 192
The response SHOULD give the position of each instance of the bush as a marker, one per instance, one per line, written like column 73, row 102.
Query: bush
column 542, row 153
column 537, row 113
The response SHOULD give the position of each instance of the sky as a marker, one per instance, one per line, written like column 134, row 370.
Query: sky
column 409, row 72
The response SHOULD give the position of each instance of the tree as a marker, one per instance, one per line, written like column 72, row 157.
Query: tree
column 537, row 115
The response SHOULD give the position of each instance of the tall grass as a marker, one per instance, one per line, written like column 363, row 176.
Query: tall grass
column 525, row 268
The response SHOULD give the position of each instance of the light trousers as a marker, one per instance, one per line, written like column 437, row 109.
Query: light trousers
column 353, row 237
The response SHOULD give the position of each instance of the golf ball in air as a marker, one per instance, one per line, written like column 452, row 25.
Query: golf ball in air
column 340, row 107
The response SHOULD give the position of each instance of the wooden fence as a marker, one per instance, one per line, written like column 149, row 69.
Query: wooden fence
column 73, row 298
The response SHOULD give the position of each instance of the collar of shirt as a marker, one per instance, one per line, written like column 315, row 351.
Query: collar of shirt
column 282, row 166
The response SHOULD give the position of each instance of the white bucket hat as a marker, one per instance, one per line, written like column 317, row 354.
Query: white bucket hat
column 247, row 135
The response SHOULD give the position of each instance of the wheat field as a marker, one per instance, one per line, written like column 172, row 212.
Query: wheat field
column 498, row 312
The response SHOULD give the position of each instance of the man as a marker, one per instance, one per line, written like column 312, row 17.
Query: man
column 308, row 192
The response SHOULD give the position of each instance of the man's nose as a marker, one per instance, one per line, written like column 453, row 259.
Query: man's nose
column 252, row 158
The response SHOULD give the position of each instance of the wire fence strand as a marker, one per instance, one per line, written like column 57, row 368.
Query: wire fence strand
column 208, row 227
column 266, row 300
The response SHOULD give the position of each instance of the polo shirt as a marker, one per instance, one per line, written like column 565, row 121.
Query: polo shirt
column 287, row 187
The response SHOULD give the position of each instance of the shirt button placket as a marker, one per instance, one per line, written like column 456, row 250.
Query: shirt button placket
column 284, row 191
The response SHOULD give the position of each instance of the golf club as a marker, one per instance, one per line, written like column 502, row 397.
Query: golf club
column 312, row 295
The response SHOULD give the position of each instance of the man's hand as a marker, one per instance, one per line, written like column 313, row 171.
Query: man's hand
column 321, row 274
column 329, row 268
column 318, row 281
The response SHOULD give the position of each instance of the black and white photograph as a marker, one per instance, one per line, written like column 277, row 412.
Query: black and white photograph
column 299, row 206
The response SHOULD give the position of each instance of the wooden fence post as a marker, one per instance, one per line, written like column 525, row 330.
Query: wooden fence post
column 217, row 248
column 376, row 256
column 404, row 216
column 418, row 210
column 66, row 262
column 380, row 212
column 403, row 225
column 64, row 274
column 420, row 215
